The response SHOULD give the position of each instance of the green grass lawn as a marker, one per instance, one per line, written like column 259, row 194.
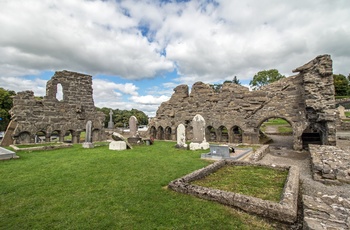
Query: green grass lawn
column 261, row 182
column 97, row 188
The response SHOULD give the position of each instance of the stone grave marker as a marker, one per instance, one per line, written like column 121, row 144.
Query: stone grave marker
column 181, row 136
column 110, row 123
column 341, row 110
column 88, row 140
column 133, row 126
column 116, row 143
column 134, row 135
column 198, row 141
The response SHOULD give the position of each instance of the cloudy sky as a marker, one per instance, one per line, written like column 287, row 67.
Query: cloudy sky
column 138, row 51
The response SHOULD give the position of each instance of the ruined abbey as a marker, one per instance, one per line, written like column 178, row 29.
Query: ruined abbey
column 234, row 114
column 51, row 116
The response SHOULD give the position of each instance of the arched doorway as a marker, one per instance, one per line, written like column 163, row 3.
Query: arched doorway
column 236, row 134
column 160, row 133
column 167, row 133
column 277, row 132
column 40, row 136
column 210, row 134
column 55, row 136
column 24, row 138
column 222, row 134
column 153, row 132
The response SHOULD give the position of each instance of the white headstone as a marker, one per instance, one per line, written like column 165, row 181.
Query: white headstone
column 181, row 136
column 117, row 145
column 110, row 123
column 198, row 142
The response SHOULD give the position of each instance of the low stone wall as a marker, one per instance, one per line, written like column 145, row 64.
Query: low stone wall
column 326, row 212
column 343, row 126
column 284, row 211
column 259, row 153
column 330, row 165
column 46, row 147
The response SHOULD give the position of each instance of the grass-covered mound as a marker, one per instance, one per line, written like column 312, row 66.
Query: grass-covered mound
column 97, row 188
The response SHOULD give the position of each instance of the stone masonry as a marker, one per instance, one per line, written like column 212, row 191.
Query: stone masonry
column 305, row 100
column 50, row 115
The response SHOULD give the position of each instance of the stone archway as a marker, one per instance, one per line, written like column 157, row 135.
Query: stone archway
column 24, row 138
column 236, row 134
column 222, row 134
column 210, row 134
column 153, row 132
column 276, row 131
column 167, row 134
column 160, row 133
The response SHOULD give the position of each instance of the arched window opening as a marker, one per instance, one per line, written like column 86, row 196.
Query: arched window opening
column 59, row 92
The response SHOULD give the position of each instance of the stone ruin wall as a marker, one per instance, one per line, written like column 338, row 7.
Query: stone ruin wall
column 48, row 115
column 305, row 100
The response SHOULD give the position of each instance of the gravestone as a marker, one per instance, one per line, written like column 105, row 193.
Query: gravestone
column 88, row 140
column 181, row 136
column 110, row 123
column 198, row 141
column 117, row 145
column 134, row 135
column 133, row 126
column 6, row 154
column 341, row 110
column 116, row 138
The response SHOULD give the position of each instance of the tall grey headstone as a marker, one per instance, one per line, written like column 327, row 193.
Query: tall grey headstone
column 198, row 141
column 181, row 136
column 88, row 133
column 110, row 123
column 133, row 126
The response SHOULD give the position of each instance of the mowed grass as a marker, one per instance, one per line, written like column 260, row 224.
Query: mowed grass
column 256, row 181
column 98, row 188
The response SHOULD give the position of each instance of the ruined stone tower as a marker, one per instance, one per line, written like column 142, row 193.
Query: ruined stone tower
column 51, row 115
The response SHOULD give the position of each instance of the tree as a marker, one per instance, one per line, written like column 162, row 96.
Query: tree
column 341, row 85
column 265, row 77
column 121, row 117
column 236, row 81
column 5, row 106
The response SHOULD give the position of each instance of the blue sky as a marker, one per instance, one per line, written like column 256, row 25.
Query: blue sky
column 138, row 51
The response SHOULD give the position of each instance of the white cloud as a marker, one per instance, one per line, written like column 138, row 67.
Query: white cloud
column 149, row 99
column 203, row 40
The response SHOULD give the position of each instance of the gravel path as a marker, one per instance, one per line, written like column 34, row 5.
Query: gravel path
column 281, row 152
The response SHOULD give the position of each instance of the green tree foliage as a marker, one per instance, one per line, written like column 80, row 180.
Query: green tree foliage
column 341, row 85
column 121, row 117
column 236, row 81
column 265, row 77
column 5, row 106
